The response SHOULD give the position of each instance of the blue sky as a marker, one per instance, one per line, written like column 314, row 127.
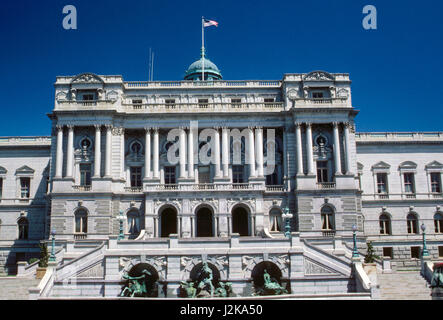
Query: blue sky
column 396, row 70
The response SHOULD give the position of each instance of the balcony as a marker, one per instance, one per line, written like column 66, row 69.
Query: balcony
column 134, row 189
column 275, row 188
column 328, row 233
column 324, row 102
column 205, row 107
column 205, row 187
column 197, row 84
column 80, row 236
column 326, row 185
column 81, row 188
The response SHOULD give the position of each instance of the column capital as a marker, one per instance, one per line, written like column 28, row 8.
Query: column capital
column 308, row 124
column 97, row 126
column 297, row 124
column 184, row 127
column 70, row 127
column 59, row 127
column 251, row 127
column 118, row 131
column 155, row 129
column 258, row 128
column 335, row 124
column 109, row 126
column 216, row 128
column 148, row 129
column 347, row 124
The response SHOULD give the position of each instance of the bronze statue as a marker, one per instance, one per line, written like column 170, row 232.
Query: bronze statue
column 270, row 286
column 136, row 285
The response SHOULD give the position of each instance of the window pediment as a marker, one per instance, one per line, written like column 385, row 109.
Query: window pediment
column 407, row 165
column 3, row 171
column 319, row 76
column 25, row 170
column 434, row 165
column 381, row 166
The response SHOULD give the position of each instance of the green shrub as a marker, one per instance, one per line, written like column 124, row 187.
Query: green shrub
column 370, row 256
column 44, row 255
column 32, row 260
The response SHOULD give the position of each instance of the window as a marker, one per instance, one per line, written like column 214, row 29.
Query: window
column 236, row 103
column 170, row 103
column 322, row 171
column 327, row 218
column 272, row 179
column 25, row 184
column 409, row 182
column 415, row 252
column 136, row 176
column 412, row 222
column 85, row 174
column 385, row 224
column 317, row 95
column 269, row 100
column 440, row 251
column 237, row 174
column 203, row 103
column 137, row 103
column 136, row 147
column 88, row 97
column 436, row 182
column 438, row 223
column 133, row 222
column 204, row 174
column 275, row 220
column 387, row 252
column 382, row 184
column 1, row 187
column 170, row 175
column 23, row 228
column 81, row 221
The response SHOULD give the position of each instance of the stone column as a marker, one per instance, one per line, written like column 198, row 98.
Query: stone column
column 97, row 152
column 182, row 152
column 285, row 179
column 147, row 153
column 156, row 154
column 347, row 148
column 309, row 150
column 299, row 149
column 225, row 153
column 108, row 150
column 217, row 152
column 337, row 158
column 191, row 153
column 70, row 152
column 251, row 153
column 59, row 159
column 122, row 153
column 259, row 143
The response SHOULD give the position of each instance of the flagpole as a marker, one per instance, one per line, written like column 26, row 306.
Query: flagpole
column 203, row 48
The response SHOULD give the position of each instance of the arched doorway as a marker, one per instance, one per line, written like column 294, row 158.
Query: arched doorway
column 168, row 222
column 240, row 221
column 204, row 223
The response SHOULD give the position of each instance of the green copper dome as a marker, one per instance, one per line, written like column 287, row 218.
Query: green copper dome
column 195, row 70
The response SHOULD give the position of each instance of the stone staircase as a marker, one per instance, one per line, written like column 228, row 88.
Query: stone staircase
column 12, row 288
column 403, row 285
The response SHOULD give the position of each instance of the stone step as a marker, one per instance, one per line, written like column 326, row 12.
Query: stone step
column 12, row 288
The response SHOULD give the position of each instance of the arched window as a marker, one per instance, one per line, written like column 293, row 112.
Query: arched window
column 275, row 220
column 438, row 223
column 327, row 218
column 133, row 222
column 412, row 222
column 23, row 228
column 240, row 221
column 85, row 143
column 81, row 221
column 385, row 224
column 136, row 147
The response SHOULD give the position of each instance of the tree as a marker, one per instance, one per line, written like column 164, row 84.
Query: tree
column 44, row 255
column 370, row 256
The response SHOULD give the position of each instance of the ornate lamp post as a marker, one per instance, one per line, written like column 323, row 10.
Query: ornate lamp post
column 287, row 216
column 354, row 237
column 121, row 218
column 52, row 256
column 425, row 250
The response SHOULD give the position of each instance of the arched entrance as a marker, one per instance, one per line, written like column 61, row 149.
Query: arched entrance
column 168, row 222
column 150, row 280
column 204, row 223
column 240, row 221
column 271, row 268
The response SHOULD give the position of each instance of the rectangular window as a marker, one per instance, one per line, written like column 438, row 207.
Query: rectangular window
column 1, row 187
column 382, row 186
column 269, row 100
column 136, row 176
column 170, row 103
column 272, row 179
column 204, row 174
column 387, row 252
column 322, row 171
column 203, row 103
column 236, row 103
column 88, row 97
column 85, row 174
column 436, row 182
column 440, row 251
column 237, row 174
column 409, row 182
column 170, row 175
column 415, row 252
column 317, row 95
column 25, row 186
column 137, row 103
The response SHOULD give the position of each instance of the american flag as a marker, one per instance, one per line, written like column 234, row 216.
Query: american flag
column 208, row 23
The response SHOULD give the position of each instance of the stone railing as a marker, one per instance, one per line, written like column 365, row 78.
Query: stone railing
column 389, row 137
column 401, row 196
column 80, row 236
column 328, row 233
column 204, row 186
column 74, row 104
column 81, row 188
column 324, row 102
column 275, row 188
column 204, row 107
column 326, row 185
column 196, row 84
column 134, row 189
